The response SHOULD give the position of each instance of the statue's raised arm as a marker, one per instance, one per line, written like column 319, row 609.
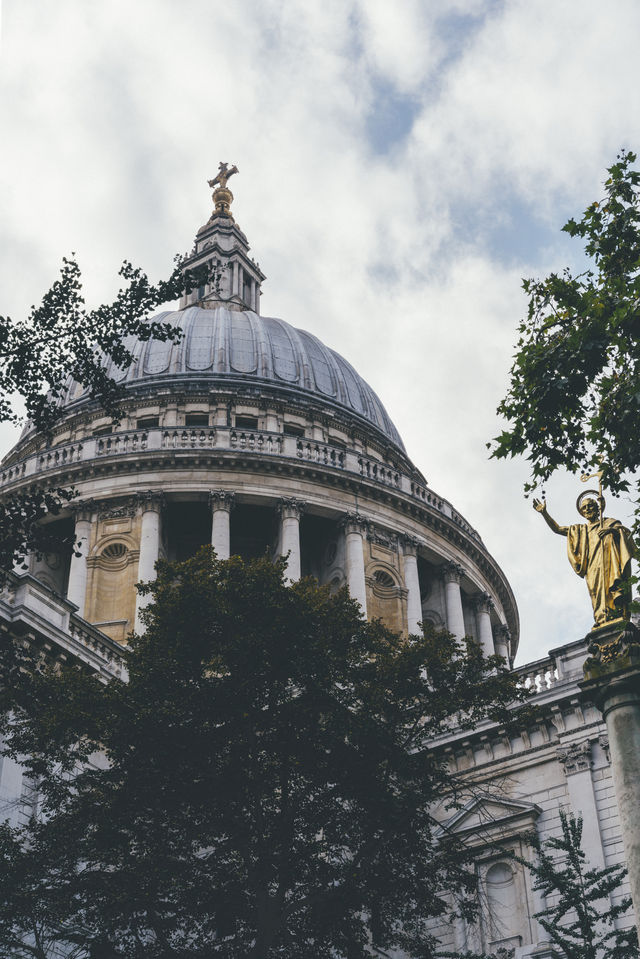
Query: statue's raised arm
column 541, row 506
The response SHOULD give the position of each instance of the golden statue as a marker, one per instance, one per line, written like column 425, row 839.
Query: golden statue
column 600, row 551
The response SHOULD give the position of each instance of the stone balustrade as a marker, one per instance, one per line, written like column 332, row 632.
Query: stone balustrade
column 261, row 442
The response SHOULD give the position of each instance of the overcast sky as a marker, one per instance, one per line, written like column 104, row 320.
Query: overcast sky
column 403, row 164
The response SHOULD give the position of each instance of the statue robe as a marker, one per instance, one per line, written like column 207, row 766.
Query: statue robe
column 604, row 563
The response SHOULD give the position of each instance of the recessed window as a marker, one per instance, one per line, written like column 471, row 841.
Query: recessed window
column 146, row 422
column 246, row 422
column 103, row 431
column 292, row 429
column 197, row 419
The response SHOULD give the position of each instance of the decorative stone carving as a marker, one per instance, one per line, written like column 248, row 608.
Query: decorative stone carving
column 409, row 544
column 575, row 758
column 354, row 523
column 289, row 508
column 382, row 537
column 452, row 572
column 83, row 510
column 150, row 501
column 118, row 508
column 603, row 742
column 222, row 499
column 483, row 603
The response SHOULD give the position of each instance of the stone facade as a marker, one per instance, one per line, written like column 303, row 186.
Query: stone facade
column 252, row 435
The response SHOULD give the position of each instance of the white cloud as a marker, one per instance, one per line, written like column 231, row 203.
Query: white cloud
column 113, row 115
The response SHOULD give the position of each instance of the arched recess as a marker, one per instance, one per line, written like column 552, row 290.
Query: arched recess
column 386, row 599
column 113, row 573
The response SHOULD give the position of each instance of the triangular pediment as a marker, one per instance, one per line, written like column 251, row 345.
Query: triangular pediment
column 489, row 814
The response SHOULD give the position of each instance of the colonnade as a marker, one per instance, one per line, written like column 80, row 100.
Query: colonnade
column 354, row 527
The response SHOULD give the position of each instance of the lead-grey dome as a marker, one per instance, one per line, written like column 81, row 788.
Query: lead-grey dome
column 231, row 345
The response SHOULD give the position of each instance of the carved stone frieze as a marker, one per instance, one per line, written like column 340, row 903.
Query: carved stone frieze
column 603, row 742
column 382, row 537
column 118, row 508
column 576, row 757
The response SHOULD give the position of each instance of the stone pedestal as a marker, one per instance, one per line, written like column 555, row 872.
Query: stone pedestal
column 612, row 682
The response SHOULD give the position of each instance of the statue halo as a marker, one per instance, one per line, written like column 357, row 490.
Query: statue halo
column 591, row 494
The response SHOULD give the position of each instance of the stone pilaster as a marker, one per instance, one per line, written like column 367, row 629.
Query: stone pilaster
column 78, row 571
column 577, row 762
column 355, row 526
column 452, row 574
column 483, row 605
column 612, row 681
column 290, row 511
column 150, row 504
column 221, row 502
column 412, row 583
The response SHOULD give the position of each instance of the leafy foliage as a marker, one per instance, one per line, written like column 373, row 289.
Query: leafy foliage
column 574, row 398
column 270, row 777
column 581, row 920
column 60, row 341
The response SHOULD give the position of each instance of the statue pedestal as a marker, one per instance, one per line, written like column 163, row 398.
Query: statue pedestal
column 612, row 682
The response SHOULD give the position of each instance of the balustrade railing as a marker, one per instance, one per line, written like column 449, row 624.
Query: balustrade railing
column 225, row 438
column 539, row 676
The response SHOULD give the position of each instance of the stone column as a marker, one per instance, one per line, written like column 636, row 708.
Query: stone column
column 452, row 574
column 290, row 511
column 354, row 526
column 483, row 606
column 151, row 508
column 612, row 680
column 503, row 642
column 78, row 571
column 221, row 502
column 412, row 583
column 577, row 762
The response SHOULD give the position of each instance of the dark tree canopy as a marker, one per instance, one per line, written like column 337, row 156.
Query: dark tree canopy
column 62, row 340
column 271, row 779
column 574, row 395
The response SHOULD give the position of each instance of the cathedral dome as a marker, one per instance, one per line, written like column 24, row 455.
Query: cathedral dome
column 223, row 346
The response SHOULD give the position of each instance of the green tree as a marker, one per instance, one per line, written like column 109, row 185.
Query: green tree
column 574, row 396
column 580, row 919
column 61, row 341
column 270, row 781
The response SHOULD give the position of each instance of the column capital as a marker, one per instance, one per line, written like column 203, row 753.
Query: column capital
column 221, row 499
column 409, row 544
column 353, row 523
column 483, row 603
column 290, row 508
column 83, row 510
column 575, row 758
column 452, row 572
column 150, row 501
